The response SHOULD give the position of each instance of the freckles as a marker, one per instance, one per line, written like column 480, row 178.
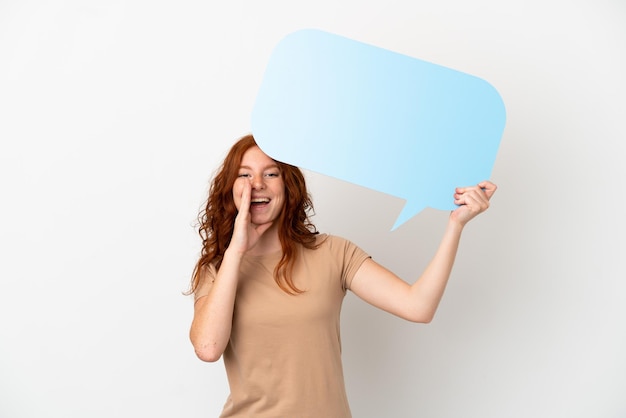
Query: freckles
column 237, row 191
column 238, row 186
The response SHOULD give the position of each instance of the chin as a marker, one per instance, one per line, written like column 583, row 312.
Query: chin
column 262, row 221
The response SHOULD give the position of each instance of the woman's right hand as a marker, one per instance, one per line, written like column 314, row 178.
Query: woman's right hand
column 245, row 233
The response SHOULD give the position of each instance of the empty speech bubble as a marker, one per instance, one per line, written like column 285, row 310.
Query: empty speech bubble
column 376, row 118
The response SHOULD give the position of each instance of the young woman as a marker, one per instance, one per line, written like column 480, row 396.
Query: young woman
column 268, row 288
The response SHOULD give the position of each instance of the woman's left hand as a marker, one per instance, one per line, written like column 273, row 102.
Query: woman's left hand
column 472, row 201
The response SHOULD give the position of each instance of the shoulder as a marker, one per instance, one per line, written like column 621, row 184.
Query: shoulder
column 340, row 254
column 336, row 244
column 329, row 241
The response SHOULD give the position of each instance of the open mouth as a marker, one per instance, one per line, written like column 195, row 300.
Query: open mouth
column 259, row 201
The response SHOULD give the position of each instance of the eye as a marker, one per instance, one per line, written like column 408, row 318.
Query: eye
column 272, row 174
column 244, row 175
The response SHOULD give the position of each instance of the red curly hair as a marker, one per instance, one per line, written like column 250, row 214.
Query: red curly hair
column 216, row 221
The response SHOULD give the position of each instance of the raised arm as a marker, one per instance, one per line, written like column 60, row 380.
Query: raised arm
column 418, row 302
column 213, row 311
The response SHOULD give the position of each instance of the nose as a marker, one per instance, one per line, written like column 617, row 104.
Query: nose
column 257, row 182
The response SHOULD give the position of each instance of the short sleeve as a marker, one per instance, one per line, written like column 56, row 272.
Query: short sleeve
column 350, row 257
column 207, row 277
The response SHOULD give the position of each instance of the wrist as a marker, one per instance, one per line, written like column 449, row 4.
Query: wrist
column 455, row 224
column 232, row 255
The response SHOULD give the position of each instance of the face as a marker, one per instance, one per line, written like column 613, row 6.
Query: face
column 261, row 173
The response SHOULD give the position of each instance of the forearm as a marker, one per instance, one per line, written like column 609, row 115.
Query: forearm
column 418, row 302
column 213, row 313
column 427, row 291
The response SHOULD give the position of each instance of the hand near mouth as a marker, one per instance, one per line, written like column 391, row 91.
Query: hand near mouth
column 245, row 233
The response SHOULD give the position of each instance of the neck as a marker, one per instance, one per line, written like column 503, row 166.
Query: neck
column 268, row 243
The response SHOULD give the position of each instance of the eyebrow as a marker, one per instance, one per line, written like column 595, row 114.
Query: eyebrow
column 264, row 168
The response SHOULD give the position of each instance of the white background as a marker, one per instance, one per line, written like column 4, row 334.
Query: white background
column 114, row 114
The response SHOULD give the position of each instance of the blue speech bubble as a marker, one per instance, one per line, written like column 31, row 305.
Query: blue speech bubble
column 376, row 118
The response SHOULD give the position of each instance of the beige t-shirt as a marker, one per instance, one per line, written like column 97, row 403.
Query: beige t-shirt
column 283, row 359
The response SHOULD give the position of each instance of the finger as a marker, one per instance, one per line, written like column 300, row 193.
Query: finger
column 246, row 197
column 488, row 187
column 240, row 236
column 485, row 188
column 467, row 207
column 473, row 197
column 462, row 192
column 466, row 199
column 466, row 189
